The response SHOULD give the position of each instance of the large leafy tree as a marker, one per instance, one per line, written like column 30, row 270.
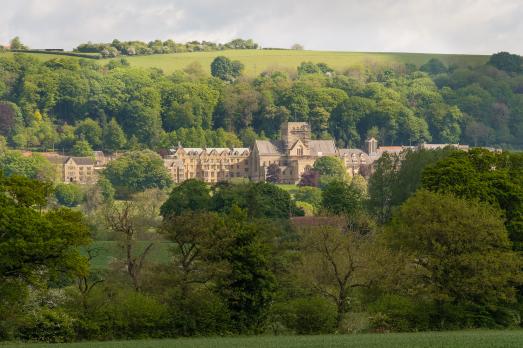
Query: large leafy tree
column 462, row 252
column 190, row 196
column 137, row 171
column 36, row 244
column 489, row 177
column 226, row 69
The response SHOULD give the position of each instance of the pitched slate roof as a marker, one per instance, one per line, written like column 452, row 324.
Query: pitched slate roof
column 322, row 147
column 83, row 161
column 268, row 147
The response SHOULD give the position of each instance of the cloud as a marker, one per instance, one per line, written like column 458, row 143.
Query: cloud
column 447, row 26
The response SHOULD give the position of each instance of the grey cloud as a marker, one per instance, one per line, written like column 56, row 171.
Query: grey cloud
column 466, row 26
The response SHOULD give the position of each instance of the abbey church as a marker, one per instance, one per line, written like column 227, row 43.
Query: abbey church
column 294, row 153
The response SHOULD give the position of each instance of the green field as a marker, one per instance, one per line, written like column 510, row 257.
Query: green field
column 457, row 339
column 257, row 61
column 109, row 250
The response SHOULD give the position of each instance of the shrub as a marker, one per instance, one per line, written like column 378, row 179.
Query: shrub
column 68, row 195
column 47, row 325
column 397, row 313
column 308, row 316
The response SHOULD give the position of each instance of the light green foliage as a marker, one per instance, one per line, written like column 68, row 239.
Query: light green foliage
column 82, row 148
column 341, row 198
column 462, row 251
column 90, row 131
column 330, row 168
column 34, row 167
column 68, row 195
column 137, row 171
column 479, row 174
column 113, row 136
column 308, row 194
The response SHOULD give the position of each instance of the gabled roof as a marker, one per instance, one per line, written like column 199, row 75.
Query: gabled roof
column 267, row 147
column 322, row 147
column 350, row 152
column 58, row 159
column 83, row 161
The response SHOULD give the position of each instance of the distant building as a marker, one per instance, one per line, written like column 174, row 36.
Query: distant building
column 207, row 164
column 294, row 153
column 80, row 170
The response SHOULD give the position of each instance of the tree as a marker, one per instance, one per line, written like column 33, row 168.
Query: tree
column 381, row 186
column 36, row 244
column 335, row 260
column 137, row 171
column 434, row 66
column 341, row 198
column 462, row 251
column 225, row 69
column 68, row 195
column 310, row 178
column 82, row 149
column 16, row 44
column 113, row 136
column 34, row 167
column 297, row 47
column 90, row 131
column 249, row 286
column 190, row 196
column 507, row 62
column 123, row 220
column 330, row 166
column 199, row 239
column 273, row 173
column 489, row 177
column 10, row 119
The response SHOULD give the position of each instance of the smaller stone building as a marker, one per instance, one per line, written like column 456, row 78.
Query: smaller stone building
column 80, row 170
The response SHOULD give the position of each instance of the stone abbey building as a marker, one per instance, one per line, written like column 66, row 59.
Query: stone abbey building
column 294, row 153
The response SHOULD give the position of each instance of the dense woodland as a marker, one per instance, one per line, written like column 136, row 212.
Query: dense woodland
column 432, row 241
column 60, row 102
column 432, row 244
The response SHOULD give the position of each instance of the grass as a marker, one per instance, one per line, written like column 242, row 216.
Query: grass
column 109, row 250
column 455, row 339
column 257, row 61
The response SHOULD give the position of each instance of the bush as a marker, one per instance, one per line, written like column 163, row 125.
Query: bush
column 201, row 313
column 397, row 313
column 308, row 316
column 118, row 313
column 47, row 325
column 68, row 195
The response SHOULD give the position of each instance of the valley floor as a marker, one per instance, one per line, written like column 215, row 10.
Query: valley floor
column 455, row 339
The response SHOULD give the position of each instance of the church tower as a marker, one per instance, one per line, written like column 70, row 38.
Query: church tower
column 371, row 145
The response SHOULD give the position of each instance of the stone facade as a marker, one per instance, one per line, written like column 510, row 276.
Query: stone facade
column 294, row 153
column 79, row 170
column 207, row 164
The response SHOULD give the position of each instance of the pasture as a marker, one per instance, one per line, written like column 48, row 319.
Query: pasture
column 455, row 339
column 257, row 61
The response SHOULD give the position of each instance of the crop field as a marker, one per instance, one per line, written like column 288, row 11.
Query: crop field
column 455, row 339
column 257, row 61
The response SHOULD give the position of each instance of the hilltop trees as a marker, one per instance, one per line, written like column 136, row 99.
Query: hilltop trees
column 226, row 69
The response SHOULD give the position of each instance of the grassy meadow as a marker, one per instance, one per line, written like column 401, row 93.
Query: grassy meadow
column 108, row 251
column 257, row 61
column 455, row 339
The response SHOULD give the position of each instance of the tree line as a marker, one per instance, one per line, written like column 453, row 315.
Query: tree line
column 76, row 105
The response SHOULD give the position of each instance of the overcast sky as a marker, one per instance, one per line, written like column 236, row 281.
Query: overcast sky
column 446, row 26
